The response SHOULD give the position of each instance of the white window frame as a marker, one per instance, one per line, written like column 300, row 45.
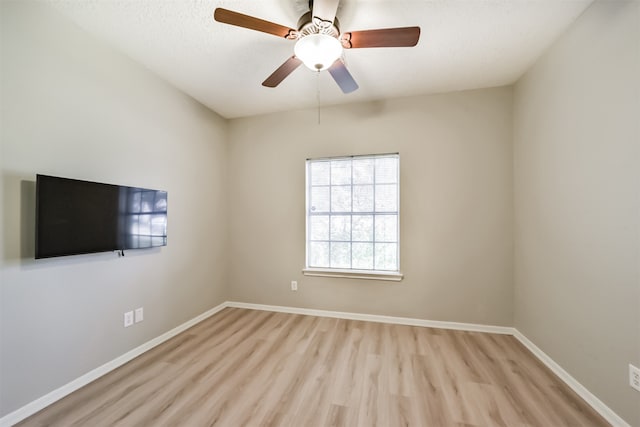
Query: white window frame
column 386, row 275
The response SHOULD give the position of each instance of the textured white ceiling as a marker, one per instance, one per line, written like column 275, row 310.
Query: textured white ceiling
column 464, row 44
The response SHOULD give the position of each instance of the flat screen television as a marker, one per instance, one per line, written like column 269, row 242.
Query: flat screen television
column 79, row 217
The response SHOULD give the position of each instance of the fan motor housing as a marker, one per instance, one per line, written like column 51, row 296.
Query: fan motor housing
column 307, row 25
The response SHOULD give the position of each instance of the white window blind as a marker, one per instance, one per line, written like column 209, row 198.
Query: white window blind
column 352, row 213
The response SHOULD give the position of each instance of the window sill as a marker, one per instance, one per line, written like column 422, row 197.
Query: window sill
column 354, row 274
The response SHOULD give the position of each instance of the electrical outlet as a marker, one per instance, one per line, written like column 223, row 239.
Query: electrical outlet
column 128, row 319
column 634, row 377
column 139, row 314
column 294, row 285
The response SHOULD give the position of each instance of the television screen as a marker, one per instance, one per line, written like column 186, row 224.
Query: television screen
column 78, row 217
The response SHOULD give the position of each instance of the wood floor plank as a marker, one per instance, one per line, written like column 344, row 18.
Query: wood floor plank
column 373, row 407
column 337, row 416
column 348, row 385
column 258, row 368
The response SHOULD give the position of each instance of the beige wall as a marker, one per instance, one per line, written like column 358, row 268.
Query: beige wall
column 456, row 205
column 577, row 198
column 72, row 107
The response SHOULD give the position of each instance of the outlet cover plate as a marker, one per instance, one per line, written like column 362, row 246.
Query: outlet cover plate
column 634, row 377
column 128, row 319
column 139, row 314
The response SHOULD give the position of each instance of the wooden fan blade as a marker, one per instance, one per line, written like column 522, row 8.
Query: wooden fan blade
column 245, row 21
column 325, row 9
column 385, row 37
column 342, row 76
column 282, row 72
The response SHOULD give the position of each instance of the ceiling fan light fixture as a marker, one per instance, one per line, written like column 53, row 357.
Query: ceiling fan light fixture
column 318, row 51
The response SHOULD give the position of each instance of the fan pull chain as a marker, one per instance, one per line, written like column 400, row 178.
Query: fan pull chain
column 318, row 93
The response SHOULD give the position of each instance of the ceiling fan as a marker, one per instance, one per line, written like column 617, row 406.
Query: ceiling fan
column 319, row 42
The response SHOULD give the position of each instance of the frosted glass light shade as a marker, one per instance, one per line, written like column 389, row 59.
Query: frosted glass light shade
column 318, row 51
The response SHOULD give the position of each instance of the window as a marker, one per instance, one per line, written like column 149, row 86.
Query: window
column 352, row 216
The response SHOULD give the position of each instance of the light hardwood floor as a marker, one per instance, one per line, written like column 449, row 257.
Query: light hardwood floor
column 253, row 368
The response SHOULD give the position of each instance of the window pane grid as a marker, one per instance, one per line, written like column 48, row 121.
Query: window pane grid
column 353, row 241
column 359, row 198
column 351, row 220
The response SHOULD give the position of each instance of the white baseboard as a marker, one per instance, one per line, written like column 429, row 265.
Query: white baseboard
column 473, row 327
column 606, row 412
column 49, row 398
column 57, row 394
